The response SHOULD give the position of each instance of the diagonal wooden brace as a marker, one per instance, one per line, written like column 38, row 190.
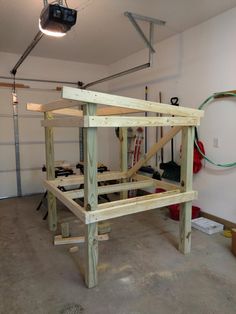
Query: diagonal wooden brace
column 153, row 150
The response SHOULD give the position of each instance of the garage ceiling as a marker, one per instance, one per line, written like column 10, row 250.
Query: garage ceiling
column 103, row 34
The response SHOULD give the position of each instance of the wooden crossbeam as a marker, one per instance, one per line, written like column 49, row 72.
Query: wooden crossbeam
column 58, row 104
column 59, row 240
column 138, row 204
column 125, row 102
column 113, row 188
column 79, row 179
column 157, row 183
column 154, row 149
column 65, row 122
column 119, row 121
column 72, row 205
column 105, row 111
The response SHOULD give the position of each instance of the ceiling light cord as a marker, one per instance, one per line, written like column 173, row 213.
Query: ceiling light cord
column 206, row 102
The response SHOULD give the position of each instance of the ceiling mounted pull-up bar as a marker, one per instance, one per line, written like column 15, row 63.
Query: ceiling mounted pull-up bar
column 149, row 42
column 139, row 30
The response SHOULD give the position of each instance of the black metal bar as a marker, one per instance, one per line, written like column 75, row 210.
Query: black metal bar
column 137, row 68
column 27, row 52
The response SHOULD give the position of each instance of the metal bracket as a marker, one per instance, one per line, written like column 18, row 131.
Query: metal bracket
column 149, row 42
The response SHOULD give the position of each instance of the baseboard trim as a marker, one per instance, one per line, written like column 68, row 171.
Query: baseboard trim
column 228, row 224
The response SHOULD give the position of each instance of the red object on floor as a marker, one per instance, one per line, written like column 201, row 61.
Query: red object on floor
column 174, row 211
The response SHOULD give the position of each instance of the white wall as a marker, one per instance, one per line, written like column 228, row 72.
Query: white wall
column 193, row 65
column 30, row 130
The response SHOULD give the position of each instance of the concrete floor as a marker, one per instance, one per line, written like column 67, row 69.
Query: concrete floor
column 140, row 269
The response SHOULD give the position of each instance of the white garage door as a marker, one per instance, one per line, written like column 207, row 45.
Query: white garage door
column 31, row 139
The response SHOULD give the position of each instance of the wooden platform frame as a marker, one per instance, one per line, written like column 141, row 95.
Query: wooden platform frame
column 90, row 118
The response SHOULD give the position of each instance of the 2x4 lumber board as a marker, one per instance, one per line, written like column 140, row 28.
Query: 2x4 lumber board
column 105, row 111
column 186, row 183
column 79, row 179
column 157, row 183
column 123, row 138
column 140, row 206
column 90, row 199
column 154, row 149
column 68, row 112
column 113, row 188
column 58, row 104
column 120, row 121
column 49, row 150
column 3, row 84
column 110, row 111
column 125, row 102
column 59, row 240
column 76, row 209
column 136, row 199
column 64, row 122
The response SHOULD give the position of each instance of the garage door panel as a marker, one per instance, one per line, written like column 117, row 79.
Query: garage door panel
column 32, row 181
column 5, row 101
column 32, row 156
column 30, row 130
column 7, row 157
column 68, row 152
column 6, row 130
column 66, row 134
column 8, row 184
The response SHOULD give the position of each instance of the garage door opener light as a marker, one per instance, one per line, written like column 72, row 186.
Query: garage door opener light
column 56, row 19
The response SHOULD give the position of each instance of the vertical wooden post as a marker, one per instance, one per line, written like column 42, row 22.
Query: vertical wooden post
column 49, row 150
column 123, row 156
column 90, row 199
column 186, row 183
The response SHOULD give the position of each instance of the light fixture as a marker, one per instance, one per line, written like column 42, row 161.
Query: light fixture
column 56, row 20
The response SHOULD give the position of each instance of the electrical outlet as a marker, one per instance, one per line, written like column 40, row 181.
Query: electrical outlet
column 216, row 142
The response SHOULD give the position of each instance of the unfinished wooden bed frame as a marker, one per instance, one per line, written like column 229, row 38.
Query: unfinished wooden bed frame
column 92, row 117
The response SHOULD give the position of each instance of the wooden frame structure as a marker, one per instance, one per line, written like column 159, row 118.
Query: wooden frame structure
column 92, row 117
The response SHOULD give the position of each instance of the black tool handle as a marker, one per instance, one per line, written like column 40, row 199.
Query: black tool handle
column 174, row 102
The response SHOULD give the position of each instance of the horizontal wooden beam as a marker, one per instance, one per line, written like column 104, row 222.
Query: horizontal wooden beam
column 79, row 179
column 58, row 104
column 158, row 183
column 143, row 203
column 86, row 96
column 69, row 112
column 69, row 203
column 104, row 111
column 110, row 111
column 120, row 121
column 154, row 149
column 64, row 122
column 113, row 188
column 59, row 240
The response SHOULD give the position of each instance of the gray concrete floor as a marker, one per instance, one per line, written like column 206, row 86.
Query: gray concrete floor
column 140, row 268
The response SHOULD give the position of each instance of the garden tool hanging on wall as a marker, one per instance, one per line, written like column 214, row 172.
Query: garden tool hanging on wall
column 171, row 168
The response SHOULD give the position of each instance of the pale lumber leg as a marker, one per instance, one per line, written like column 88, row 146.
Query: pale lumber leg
column 65, row 229
column 123, row 157
column 90, row 199
column 186, row 183
column 49, row 150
